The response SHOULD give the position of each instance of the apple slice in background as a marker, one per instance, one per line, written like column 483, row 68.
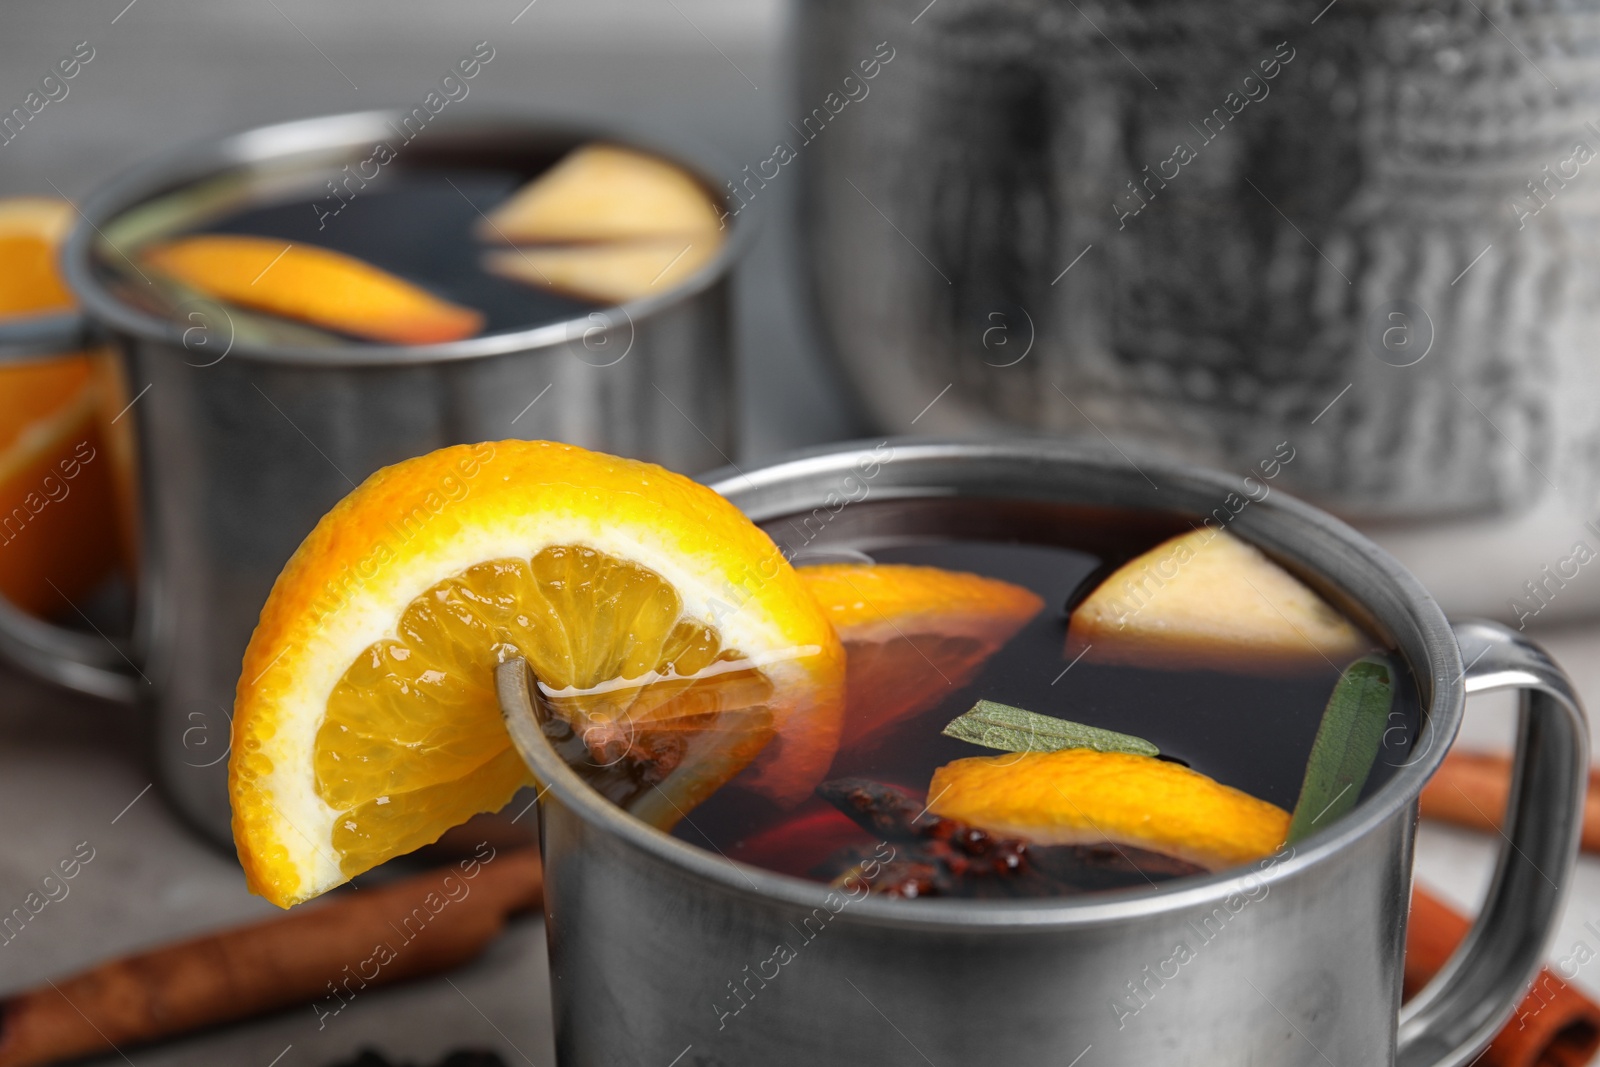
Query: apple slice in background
column 611, row 273
column 603, row 192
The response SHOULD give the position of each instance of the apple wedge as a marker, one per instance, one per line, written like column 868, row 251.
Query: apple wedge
column 603, row 192
column 611, row 273
column 1206, row 600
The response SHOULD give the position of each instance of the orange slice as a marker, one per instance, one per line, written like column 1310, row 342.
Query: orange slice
column 648, row 607
column 912, row 635
column 31, row 228
column 611, row 273
column 59, row 515
column 603, row 192
column 59, row 520
column 314, row 285
column 1078, row 796
column 1208, row 601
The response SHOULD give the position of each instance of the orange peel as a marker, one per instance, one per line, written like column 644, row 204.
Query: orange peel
column 313, row 285
column 1078, row 796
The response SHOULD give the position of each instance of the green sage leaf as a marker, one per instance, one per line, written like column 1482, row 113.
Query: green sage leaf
column 189, row 208
column 1346, row 746
column 1010, row 729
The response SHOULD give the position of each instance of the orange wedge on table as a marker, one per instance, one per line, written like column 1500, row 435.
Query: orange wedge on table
column 313, row 285
column 1079, row 796
column 63, row 507
column 912, row 635
column 647, row 606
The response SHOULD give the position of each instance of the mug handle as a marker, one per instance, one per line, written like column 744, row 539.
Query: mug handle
column 85, row 663
column 1459, row 1012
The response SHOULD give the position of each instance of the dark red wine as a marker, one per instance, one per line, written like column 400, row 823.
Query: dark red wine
column 1252, row 732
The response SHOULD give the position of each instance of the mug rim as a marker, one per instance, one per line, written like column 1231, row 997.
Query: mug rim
column 37, row 337
column 1439, row 668
column 326, row 135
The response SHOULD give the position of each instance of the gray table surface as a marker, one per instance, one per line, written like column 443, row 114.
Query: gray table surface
column 71, row 770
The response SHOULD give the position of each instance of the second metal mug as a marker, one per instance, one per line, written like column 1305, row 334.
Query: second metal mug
column 242, row 448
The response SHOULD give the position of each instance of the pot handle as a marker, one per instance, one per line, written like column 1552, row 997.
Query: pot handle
column 86, row 663
column 1458, row 1013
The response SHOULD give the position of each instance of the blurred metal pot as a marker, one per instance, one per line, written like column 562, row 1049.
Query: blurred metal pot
column 1364, row 229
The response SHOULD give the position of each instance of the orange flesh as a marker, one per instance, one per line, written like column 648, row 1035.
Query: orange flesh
column 413, row 740
column 29, row 283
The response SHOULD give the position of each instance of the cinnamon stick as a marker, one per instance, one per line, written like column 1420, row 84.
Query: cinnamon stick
column 329, row 953
column 324, row 955
column 1554, row 1026
column 1470, row 789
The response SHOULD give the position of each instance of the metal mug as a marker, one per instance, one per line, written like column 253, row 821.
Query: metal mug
column 242, row 448
column 35, row 337
column 1295, row 962
column 48, row 338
